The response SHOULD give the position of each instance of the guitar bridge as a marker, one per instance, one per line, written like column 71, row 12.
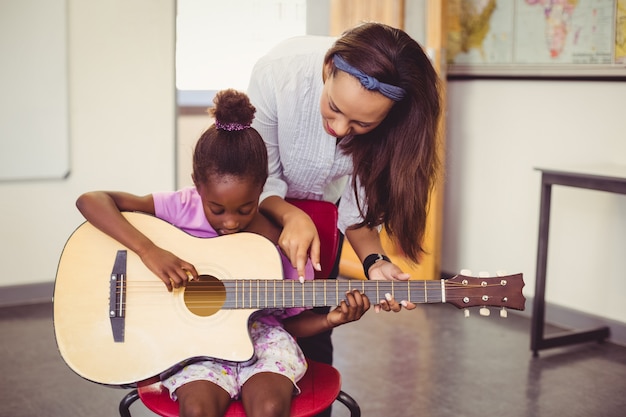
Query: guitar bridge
column 117, row 296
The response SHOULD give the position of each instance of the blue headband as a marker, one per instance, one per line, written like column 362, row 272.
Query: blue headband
column 370, row 83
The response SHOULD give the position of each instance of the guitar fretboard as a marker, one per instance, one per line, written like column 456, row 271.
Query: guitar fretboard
column 324, row 292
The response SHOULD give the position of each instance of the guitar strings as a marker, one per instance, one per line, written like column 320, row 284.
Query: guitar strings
column 256, row 295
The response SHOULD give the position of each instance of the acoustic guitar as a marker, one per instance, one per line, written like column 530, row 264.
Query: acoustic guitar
column 116, row 323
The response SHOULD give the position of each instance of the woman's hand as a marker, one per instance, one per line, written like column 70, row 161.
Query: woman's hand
column 383, row 270
column 299, row 240
column 172, row 270
column 366, row 241
column 351, row 309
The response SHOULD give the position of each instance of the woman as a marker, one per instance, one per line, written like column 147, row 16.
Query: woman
column 351, row 120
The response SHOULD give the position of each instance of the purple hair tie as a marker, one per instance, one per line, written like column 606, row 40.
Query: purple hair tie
column 231, row 126
column 370, row 83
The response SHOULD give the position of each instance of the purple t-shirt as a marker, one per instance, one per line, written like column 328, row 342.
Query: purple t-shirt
column 183, row 209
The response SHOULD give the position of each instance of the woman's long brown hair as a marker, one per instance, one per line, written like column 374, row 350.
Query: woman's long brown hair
column 396, row 163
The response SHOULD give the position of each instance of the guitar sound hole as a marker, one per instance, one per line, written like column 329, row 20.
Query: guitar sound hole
column 205, row 296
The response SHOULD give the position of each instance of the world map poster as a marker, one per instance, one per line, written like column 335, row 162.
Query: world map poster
column 565, row 38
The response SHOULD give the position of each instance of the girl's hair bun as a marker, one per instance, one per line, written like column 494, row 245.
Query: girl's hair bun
column 232, row 111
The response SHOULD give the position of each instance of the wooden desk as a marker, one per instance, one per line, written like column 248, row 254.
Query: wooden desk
column 611, row 179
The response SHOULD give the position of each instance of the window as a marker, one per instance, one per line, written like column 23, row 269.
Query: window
column 219, row 41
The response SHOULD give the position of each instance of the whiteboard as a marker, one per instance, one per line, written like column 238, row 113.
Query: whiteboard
column 34, row 121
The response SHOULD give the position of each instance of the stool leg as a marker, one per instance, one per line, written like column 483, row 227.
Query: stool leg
column 348, row 401
column 126, row 402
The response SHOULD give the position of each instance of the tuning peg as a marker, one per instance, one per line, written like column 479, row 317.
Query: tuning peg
column 484, row 311
column 503, row 313
column 501, row 273
column 466, row 272
column 484, row 274
column 466, row 313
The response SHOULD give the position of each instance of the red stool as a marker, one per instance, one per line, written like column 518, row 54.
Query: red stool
column 321, row 384
column 320, row 388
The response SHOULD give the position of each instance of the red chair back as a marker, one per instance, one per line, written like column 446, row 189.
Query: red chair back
column 324, row 215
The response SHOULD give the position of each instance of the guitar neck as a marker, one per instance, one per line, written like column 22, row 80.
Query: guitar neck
column 324, row 292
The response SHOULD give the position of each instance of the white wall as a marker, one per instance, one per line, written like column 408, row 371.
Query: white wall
column 122, row 135
column 497, row 133
column 122, row 129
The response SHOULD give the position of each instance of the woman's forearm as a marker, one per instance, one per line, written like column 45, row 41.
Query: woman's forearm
column 364, row 241
column 278, row 210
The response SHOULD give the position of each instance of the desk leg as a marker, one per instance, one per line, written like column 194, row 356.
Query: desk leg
column 537, row 339
column 539, row 302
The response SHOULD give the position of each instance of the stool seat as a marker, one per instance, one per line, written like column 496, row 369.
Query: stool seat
column 320, row 386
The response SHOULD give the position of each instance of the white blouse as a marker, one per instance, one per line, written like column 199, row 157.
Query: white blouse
column 304, row 161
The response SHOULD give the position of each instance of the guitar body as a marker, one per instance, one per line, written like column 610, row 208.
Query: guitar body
column 160, row 330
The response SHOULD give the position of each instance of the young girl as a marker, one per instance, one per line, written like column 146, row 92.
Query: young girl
column 229, row 171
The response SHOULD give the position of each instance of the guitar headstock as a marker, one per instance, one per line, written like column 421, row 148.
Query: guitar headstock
column 503, row 291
